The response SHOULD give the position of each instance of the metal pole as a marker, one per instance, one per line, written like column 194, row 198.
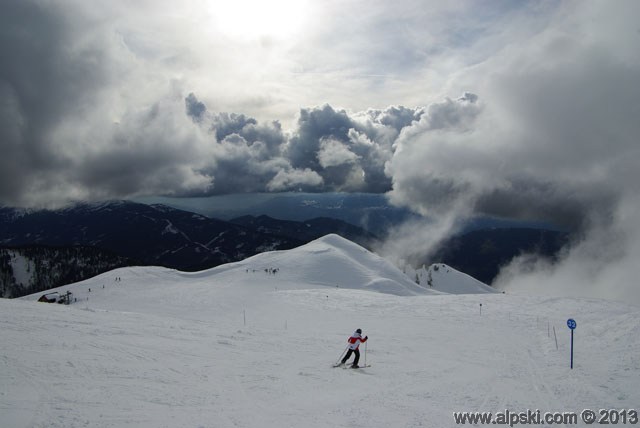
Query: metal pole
column 340, row 357
column 365, row 354
column 572, row 348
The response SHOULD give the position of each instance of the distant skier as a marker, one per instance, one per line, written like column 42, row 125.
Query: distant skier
column 354, row 343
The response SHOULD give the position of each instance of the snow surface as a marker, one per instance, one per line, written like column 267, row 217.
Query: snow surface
column 238, row 346
column 440, row 277
column 22, row 268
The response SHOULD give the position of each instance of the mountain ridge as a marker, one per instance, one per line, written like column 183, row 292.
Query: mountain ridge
column 162, row 235
column 149, row 234
column 329, row 262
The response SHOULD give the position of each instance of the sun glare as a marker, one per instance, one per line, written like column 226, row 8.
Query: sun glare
column 253, row 19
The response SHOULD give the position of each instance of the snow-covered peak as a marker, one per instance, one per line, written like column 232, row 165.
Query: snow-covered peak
column 333, row 261
column 330, row 262
column 446, row 279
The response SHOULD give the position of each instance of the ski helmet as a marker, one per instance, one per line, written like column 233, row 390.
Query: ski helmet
column 359, row 330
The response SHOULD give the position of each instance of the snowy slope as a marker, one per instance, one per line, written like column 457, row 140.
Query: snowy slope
column 443, row 278
column 334, row 261
column 21, row 268
column 238, row 346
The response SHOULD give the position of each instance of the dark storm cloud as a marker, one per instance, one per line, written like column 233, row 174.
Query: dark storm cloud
column 225, row 124
column 66, row 128
column 348, row 150
column 247, row 155
column 72, row 129
column 195, row 109
column 396, row 117
column 95, row 102
column 314, row 125
column 328, row 150
column 321, row 144
column 42, row 79
column 88, row 113
column 151, row 150
column 568, row 207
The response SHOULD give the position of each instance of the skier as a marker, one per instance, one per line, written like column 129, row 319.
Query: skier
column 354, row 343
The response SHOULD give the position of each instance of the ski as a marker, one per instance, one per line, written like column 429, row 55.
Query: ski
column 348, row 366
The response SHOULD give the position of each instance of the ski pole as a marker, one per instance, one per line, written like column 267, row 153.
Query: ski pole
column 365, row 354
column 340, row 357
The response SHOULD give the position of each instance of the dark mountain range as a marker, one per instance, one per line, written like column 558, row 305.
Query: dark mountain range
column 138, row 234
column 370, row 211
column 307, row 230
column 153, row 235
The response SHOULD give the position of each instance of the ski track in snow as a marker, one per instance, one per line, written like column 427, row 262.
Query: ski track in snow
column 237, row 347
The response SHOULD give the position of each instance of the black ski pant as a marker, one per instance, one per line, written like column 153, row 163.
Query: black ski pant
column 349, row 352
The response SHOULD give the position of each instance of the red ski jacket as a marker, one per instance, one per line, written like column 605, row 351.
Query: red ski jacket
column 355, row 340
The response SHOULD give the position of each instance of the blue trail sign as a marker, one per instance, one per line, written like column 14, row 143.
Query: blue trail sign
column 571, row 323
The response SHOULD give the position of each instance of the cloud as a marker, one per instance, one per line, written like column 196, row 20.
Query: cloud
column 294, row 179
column 334, row 153
column 552, row 136
column 425, row 167
column 119, row 99
column 551, row 139
column 348, row 149
column 96, row 100
column 71, row 127
column 32, row 105
column 328, row 150
column 396, row 117
column 195, row 109
column 150, row 151
column 600, row 265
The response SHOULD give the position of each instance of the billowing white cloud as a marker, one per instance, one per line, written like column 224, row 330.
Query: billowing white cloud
column 334, row 153
column 552, row 136
column 294, row 179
